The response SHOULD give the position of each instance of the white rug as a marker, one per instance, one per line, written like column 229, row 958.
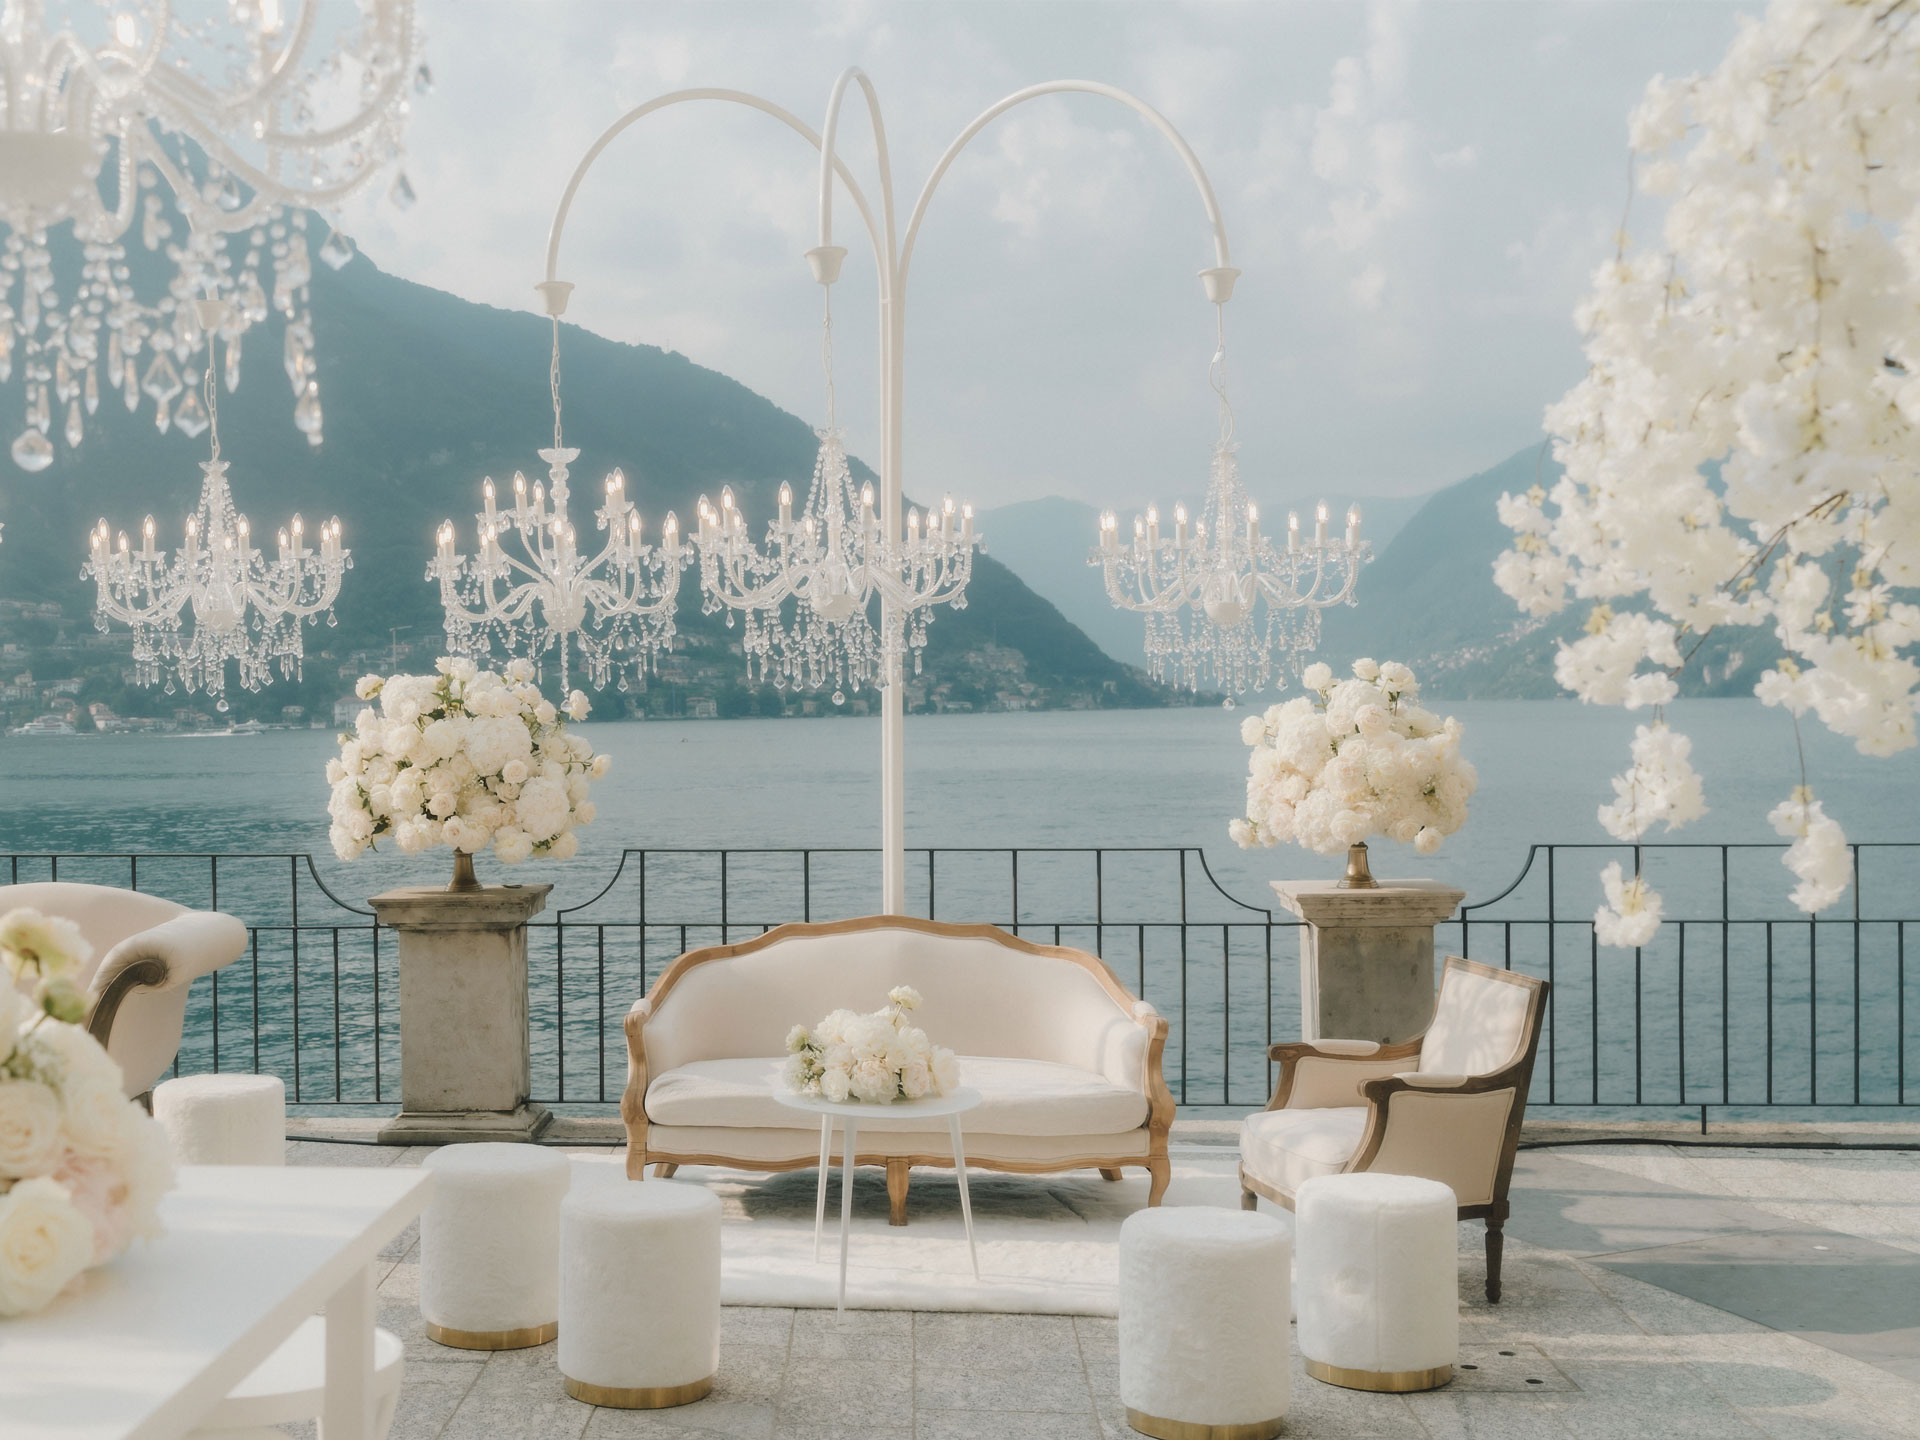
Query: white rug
column 1049, row 1244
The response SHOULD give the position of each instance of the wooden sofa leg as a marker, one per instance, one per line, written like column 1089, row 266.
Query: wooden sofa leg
column 1496, row 1248
column 1249, row 1200
column 897, row 1178
column 1160, row 1171
column 1109, row 1175
column 664, row 1170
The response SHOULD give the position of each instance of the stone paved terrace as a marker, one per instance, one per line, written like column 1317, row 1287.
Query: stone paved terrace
column 1606, row 1329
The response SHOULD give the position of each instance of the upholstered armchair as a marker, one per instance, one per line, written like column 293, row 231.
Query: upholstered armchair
column 1445, row 1105
column 146, row 953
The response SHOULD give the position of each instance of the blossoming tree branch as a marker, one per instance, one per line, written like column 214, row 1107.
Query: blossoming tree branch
column 1743, row 449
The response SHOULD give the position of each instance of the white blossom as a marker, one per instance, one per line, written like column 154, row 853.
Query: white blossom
column 1659, row 787
column 1819, row 857
column 1632, row 913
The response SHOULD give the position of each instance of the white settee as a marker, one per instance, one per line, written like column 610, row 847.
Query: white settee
column 147, row 952
column 1066, row 1059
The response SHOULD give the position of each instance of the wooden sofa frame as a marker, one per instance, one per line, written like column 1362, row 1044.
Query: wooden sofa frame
column 1379, row 1090
column 1160, row 1107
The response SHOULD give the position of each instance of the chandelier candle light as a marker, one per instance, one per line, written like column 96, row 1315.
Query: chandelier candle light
column 245, row 115
column 616, row 607
column 217, row 598
column 1222, row 602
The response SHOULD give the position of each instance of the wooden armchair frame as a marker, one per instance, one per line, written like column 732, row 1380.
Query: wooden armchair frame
column 1377, row 1073
column 1160, row 1103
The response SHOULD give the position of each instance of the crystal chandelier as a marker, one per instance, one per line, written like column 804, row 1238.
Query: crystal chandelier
column 242, row 115
column 616, row 607
column 216, row 598
column 831, row 564
column 1223, row 604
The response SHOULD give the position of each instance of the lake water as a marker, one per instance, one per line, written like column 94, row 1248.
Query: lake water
column 1117, row 779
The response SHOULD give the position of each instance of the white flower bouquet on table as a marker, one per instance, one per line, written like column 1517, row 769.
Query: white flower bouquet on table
column 82, row 1168
column 877, row 1058
column 467, row 758
column 1353, row 759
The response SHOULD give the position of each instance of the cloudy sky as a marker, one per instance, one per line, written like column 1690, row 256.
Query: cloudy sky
column 1415, row 192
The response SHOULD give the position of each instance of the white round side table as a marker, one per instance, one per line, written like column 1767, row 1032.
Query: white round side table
column 852, row 1114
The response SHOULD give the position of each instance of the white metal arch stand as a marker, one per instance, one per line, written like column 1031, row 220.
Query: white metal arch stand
column 893, row 254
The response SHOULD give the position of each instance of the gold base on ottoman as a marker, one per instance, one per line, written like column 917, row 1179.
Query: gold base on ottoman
column 643, row 1397
column 1193, row 1430
column 493, row 1339
column 1397, row 1382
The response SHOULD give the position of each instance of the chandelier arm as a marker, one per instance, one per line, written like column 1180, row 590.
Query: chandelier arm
column 829, row 162
column 255, row 210
column 1222, row 258
column 81, row 62
column 661, row 102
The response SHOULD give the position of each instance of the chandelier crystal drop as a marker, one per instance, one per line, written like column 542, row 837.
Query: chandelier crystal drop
column 530, row 589
column 217, row 598
column 807, row 597
column 240, row 116
column 1224, row 606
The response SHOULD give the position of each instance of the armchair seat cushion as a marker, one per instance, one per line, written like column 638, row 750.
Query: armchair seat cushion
column 1287, row 1148
column 1019, row 1097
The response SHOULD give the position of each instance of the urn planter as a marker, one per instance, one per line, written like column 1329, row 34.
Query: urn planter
column 1366, row 955
column 465, row 1069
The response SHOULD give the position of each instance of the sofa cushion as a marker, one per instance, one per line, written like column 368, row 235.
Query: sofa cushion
column 1018, row 1097
column 1286, row 1148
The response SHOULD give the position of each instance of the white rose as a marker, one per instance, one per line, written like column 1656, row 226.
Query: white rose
column 345, row 845
column 545, row 713
column 30, row 1142
column 578, row 705
column 520, row 671
column 564, row 847
column 367, row 687
column 834, row 1084
column 1428, row 840
column 946, row 1070
column 1366, row 669
column 44, row 1242
column 1317, row 676
column 42, row 946
column 98, row 1117
column 599, row 767
column 916, row 1078
column 585, row 812
column 874, row 1082
column 514, row 772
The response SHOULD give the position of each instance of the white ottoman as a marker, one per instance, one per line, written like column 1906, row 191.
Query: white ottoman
column 639, row 1293
column 490, row 1246
column 1379, row 1281
column 1203, row 1323
column 224, row 1119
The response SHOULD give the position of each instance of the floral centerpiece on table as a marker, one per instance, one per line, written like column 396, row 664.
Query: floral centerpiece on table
column 82, row 1168
column 1353, row 759
column 466, row 758
column 877, row 1058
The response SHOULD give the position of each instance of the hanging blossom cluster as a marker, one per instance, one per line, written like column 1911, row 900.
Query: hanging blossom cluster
column 1351, row 760
column 1745, row 447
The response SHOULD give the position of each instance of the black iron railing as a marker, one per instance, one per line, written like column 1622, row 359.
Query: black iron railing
column 1737, row 1002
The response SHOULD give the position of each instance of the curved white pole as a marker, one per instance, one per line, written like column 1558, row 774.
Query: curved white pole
column 893, row 283
column 661, row 102
column 1222, row 259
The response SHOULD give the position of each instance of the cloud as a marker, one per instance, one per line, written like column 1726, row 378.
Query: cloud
column 1465, row 158
column 1362, row 146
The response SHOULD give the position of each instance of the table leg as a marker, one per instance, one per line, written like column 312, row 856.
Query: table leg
column 966, row 1202
column 820, row 1194
column 347, row 1409
column 850, row 1139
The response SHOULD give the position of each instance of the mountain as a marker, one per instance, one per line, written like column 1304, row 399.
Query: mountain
column 1046, row 543
column 426, row 393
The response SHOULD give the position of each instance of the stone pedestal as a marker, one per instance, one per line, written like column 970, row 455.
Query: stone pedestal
column 464, row 1067
column 1366, row 956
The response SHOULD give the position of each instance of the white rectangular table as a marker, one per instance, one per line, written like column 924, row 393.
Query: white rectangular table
column 143, row 1348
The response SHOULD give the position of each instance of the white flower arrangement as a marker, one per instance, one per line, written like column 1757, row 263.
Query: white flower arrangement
column 876, row 1058
column 1745, row 447
column 1353, row 759
column 467, row 758
column 82, row 1168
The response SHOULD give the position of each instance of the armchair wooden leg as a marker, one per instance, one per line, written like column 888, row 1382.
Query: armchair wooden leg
column 636, row 1162
column 664, row 1170
column 1109, row 1175
column 1496, row 1247
column 898, row 1176
column 1249, row 1200
column 1160, row 1172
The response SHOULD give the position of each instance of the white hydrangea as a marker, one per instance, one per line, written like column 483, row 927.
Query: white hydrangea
column 1632, row 913
column 1361, row 759
column 1745, row 447
column 1819, row 857
column 466, row 758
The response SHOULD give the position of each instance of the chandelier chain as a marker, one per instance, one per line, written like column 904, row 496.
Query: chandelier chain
column 553, row 380
column 826, row 349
